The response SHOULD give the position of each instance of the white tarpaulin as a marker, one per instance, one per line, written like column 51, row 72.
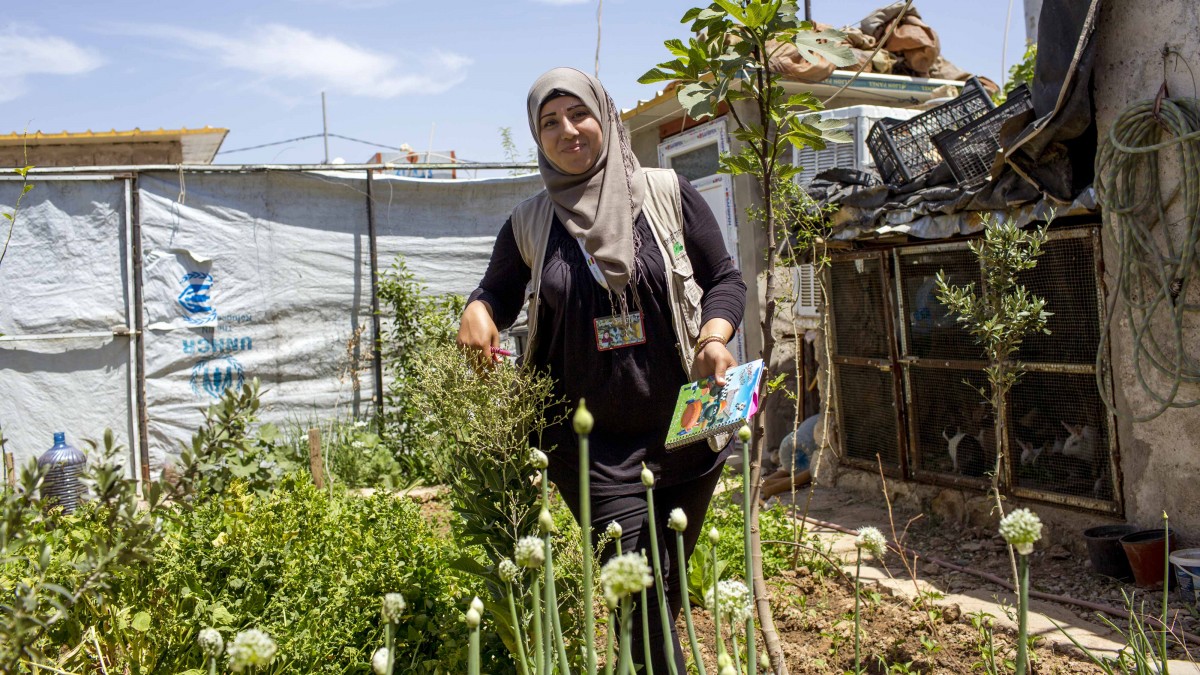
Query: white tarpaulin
column 63, row 288
column 244, row 275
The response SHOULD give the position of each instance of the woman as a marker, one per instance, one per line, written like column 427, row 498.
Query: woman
column 632, row 283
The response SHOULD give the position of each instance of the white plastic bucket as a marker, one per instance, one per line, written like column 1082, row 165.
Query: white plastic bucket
column 1186, row 563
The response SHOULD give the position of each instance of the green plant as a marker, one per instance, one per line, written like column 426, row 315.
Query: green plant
column 418, row 323
column 228, row 447
column 53, row 566
column 1000, row 315
column 355, row 454
column 309, row 568
column 26, row 186
column 1020, row 73
column 727, row 60
column 511, row 154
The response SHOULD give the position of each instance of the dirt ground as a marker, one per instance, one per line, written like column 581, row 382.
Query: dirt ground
column 814, row 614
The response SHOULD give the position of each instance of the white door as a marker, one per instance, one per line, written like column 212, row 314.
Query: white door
column 695, row 154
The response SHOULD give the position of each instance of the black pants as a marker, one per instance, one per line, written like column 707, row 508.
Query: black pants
column 632, row 513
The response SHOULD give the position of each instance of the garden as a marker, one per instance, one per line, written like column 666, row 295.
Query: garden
column 250, row 556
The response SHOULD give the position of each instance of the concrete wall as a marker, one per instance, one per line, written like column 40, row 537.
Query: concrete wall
column 94, row 154
column 1160, row 459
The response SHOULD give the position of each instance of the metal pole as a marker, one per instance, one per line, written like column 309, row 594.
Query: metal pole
column 139, row 330
column 599, row 12
column 376, row 338
column 808, row 10
column 325, row 127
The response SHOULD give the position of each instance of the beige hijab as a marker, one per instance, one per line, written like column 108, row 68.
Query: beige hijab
column 600, row 204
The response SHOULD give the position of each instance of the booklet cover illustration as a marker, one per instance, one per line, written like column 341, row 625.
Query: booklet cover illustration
column 703, row 409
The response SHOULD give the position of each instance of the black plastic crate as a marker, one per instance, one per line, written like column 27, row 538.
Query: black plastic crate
column 903, row 149
column 971, row 149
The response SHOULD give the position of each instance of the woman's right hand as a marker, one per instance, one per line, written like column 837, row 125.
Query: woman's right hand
column 477, row 332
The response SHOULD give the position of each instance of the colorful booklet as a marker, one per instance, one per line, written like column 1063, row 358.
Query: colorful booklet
column 703, row 409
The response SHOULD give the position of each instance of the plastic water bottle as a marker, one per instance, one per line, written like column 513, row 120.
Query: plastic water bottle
column 65, row 463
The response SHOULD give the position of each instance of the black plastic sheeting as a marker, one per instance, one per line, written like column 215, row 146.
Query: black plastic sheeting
column 1048, row 152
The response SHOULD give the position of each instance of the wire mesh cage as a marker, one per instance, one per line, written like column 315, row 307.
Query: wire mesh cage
column 860, row 326
column 1058, row 429
column 952, row 427
column 931, row 330
column 903, row 149
column 868, row 412
column 1059, row 433
column 971, row 149
column 1065, row 277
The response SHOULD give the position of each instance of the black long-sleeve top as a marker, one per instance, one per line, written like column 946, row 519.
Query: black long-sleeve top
column 630, row 391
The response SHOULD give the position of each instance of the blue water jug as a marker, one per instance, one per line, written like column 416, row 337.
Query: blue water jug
column 64, row 463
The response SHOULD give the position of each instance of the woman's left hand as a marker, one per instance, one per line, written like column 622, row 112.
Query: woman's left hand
column 713, row 359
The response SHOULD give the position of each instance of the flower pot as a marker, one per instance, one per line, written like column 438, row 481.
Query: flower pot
column 1186, row 564
column 1147, row 553
column 1105, row 552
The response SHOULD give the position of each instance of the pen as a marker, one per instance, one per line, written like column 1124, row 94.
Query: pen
column 502, row 352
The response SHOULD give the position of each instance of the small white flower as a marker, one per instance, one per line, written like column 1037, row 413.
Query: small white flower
column 678, row 520
column 251, row 649
column 733, row 599
column 379, row 662
column 613, row 530
column 529, row 553
column 361, row 445
column 360, row 423
column 538, row 459
column 871, row 540
column 508, row 570
column 211, row 642
column 714, row 535
column 647, row 476
column 1021, row 529
column 393, row 607
column 625, row 575
column 477, row 604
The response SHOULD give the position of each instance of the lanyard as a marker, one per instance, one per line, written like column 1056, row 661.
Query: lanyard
column 591, row 263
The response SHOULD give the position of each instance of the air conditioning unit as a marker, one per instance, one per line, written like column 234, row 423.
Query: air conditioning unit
column 807, row 289
column 853, row 155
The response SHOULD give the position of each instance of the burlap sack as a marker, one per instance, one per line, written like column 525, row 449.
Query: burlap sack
column 786, row 61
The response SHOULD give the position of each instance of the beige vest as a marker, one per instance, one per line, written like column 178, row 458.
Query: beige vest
column 531, row 222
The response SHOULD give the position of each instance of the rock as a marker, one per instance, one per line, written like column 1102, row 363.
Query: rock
column 929, row 569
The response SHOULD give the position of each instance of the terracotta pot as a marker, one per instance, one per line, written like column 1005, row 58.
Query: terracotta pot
column 1148, row 556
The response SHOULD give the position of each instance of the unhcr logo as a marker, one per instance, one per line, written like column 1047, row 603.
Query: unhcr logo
column 195, row 298
column 214, row 376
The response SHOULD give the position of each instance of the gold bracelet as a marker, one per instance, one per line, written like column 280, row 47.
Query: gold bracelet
column 704, row 340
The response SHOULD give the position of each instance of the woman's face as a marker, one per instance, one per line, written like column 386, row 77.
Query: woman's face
column 570, row 134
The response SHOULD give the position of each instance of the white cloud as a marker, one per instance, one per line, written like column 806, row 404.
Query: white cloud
column 25, row 53
column 279, row 52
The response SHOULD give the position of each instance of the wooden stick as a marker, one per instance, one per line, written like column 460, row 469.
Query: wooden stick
column 9, row 473
column 315, row 461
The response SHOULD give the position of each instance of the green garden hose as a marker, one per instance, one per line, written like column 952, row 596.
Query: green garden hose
column 1158, row 260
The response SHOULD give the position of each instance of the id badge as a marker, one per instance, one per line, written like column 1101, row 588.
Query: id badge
column 613, row 332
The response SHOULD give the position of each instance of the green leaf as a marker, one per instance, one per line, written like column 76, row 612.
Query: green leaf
column 813, row 46
column 655, row 75
column 732, row 9
column 141, row 622
column 691, row 14
column 695, row 100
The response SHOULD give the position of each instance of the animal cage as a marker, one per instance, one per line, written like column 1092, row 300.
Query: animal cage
column 864, row 355
column 1061, row 435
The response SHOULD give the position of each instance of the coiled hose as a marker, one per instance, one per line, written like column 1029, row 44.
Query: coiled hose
column 1159, row 261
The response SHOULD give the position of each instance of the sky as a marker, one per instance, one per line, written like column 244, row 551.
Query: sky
column 446, row 74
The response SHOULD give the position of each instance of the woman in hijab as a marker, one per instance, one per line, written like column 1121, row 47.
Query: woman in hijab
column 613, row 317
